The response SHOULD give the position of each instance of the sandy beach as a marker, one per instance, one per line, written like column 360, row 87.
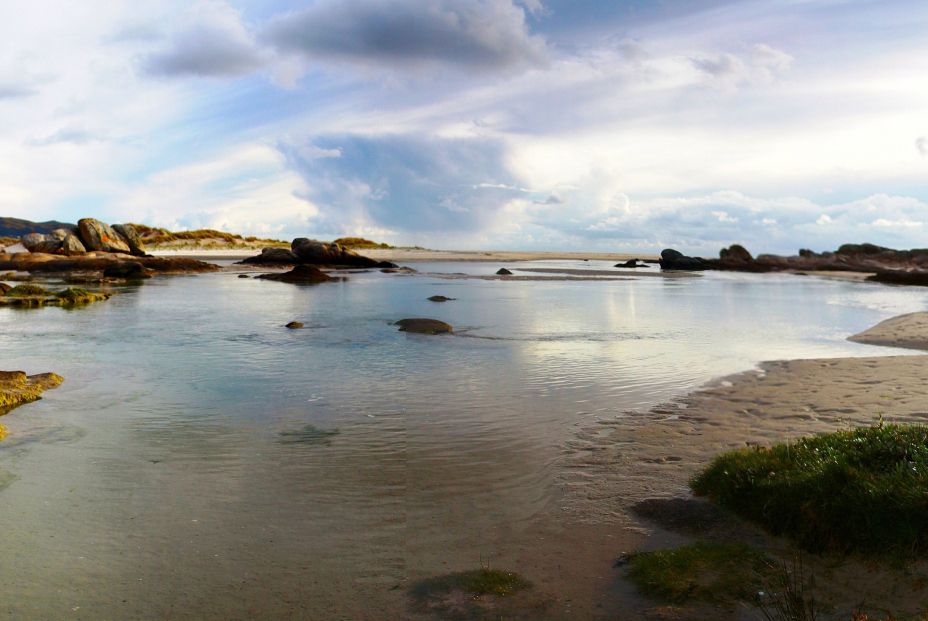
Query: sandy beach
column 646, row 460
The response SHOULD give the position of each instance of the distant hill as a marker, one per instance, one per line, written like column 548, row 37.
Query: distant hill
column 14, row 227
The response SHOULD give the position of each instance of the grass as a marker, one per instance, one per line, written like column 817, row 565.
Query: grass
column 479, row 594
column 27, row 290
column 359, row 242
column 712, row 572
column 863, row 490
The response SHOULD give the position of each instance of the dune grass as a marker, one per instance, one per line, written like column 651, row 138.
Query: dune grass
column 858, row 491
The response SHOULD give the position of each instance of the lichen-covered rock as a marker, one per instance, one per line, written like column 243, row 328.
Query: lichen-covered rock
column 321, row 253
column 96, row 235
column 31, row 240
column 131, row 236
column 300, row 275
column 71, row 245
column 421, row 325
column 17, row 388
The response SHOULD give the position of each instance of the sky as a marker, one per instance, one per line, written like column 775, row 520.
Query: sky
column 474, row 124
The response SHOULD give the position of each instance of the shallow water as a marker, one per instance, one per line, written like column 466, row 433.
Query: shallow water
column 202, row 461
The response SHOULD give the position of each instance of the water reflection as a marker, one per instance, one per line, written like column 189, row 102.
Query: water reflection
column 219, row 465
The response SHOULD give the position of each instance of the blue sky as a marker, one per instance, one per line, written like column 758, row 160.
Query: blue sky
column 521, row 124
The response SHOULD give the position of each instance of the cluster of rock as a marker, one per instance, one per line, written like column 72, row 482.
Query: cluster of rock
column 305, row 251
column 90, row 235
column 886, row 264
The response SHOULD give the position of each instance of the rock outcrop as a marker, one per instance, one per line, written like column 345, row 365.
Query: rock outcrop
column 313, row 252
column 300, row 275
column 17, row 388
column 273, row 256
column 97, row 262
column 130, row 270
column 100, row 236
column 420, row 325
column 631, row 263
column 674, row 260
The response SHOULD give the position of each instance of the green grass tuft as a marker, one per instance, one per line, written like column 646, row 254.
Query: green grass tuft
column 27, row 290
column 476, row 583
column 719, row 573
column 863, row 490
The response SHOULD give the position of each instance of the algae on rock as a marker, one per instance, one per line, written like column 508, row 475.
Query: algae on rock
column 17, row 388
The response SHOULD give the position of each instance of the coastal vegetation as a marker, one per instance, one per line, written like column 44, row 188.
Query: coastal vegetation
column 477, row 594
column 356, row 243
column 717, row 573
column 862, row 490
column 154, row 237
column 17, row 388
column 31, row 295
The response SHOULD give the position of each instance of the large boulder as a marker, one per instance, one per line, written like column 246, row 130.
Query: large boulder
column 674, row 260
column 31, row 241
column 72, row 245
column 273, row 256
column 132, row 237
column 321, row 253
column 99, row 236
column 300, row 275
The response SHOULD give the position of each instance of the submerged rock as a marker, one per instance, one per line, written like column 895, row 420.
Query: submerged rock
column 17, row 388
column 34, row 296
column 97, row 235
column 503, row 272
column 420, row 325
column 300, row 275
column 440, row 298
column 130, row 270
column 294, row 325
column 630, row 263
column 399, row 270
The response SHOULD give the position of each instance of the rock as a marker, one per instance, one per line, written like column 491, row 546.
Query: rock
column 806, row 253
column 244, row 276
column 96, row 235
column 273, row 256
column 424, row 326
column 133, row 239
column 320, row 253
column 915, row 278
column 674, row 260
column 71, row 245
column 31, row 240
column 630, row 263
column 398, row 270
column 49, row 245
column 131, row 270
column 4, row 288
column 440, row 298
column 17, row 388
column 735, row 252
column 294, row 325
column 387, row 265
column 503, row 272
column 300, row 275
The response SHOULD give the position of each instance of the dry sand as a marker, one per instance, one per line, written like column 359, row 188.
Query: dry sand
column 640, row 456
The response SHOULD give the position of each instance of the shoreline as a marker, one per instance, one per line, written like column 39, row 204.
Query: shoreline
column 417, row 255
column 646, row 459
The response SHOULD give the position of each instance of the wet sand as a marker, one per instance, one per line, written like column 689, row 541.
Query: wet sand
column 621, row 463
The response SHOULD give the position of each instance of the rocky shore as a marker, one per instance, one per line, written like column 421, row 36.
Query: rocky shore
column 904, row 267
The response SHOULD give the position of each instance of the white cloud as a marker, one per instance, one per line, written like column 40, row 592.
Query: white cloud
column 210, row 41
